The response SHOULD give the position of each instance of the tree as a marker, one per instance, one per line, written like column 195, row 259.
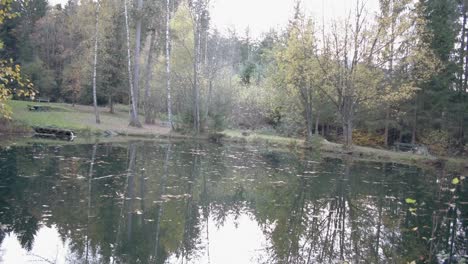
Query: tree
column 96, row 110
column 344, row 62
column 168, row 63
column 394, row 17
column 148, row 102
column 199, row 15
column 72, row 76
column 134, row 121
column 11, row 80
column 298, row 67
column 437, row 100
column 111, row 68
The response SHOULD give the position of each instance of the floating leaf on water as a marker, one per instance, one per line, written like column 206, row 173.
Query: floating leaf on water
column 410, row 201
column 455, row 181
column 278, row 183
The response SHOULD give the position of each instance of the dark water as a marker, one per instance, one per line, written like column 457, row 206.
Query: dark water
column 196, row 203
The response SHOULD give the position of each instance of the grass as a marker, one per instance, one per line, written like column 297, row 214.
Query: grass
column 254, row 137
column 335, row 150
column 60, row 116
column 80, row 118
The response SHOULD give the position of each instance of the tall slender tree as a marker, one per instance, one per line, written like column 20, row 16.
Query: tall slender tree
column 168, row 62
column 96, row 38
column 134, row 121
column 199, row 13
column 148, row 101
column 136, row 71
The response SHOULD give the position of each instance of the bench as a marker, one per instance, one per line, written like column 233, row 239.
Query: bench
column 404, row 146
column 39, row 108
column 414, row 148
column 43, row 100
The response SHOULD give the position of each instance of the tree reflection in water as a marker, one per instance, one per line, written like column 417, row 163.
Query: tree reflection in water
column 171, row 202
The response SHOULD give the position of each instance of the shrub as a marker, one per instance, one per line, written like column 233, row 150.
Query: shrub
column 364, row 138
column 437, row 141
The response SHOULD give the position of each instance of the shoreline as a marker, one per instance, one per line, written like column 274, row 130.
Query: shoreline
column 274, row 142
column 80, row 119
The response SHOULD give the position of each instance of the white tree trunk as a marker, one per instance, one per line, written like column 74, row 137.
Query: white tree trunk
column 96, row 110
column 196, row 61
column 168, row 63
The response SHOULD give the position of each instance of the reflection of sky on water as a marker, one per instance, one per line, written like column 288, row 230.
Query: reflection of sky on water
column 238, row 240
column 48, row 248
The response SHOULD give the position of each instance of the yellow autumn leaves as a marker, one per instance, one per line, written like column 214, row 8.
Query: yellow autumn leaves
column 11, row 81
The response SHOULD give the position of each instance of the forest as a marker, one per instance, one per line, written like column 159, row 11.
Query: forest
column 373, row 78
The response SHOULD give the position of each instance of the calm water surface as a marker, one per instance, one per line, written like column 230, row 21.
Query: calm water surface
column 147, row 202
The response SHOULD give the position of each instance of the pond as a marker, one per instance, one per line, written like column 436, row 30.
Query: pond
column 186, row 202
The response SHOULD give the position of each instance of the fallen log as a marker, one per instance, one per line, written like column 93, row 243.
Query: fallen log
column 50, row 132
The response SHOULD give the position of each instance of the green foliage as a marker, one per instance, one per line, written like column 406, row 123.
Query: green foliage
column 11, row 80
column 42, row 78
column 438, row 141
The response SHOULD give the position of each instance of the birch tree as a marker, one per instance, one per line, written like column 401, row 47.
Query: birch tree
column 199, row 14
column 96, row 110
column 168, row 63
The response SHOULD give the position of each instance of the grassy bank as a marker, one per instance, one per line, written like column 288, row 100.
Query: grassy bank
column 81, row 119
column 337, row 150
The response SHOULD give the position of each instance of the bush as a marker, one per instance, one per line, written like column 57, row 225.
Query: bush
column 364, row 138
column 437, row 141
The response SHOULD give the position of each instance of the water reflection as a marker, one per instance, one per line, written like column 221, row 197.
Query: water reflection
column 147, row 202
